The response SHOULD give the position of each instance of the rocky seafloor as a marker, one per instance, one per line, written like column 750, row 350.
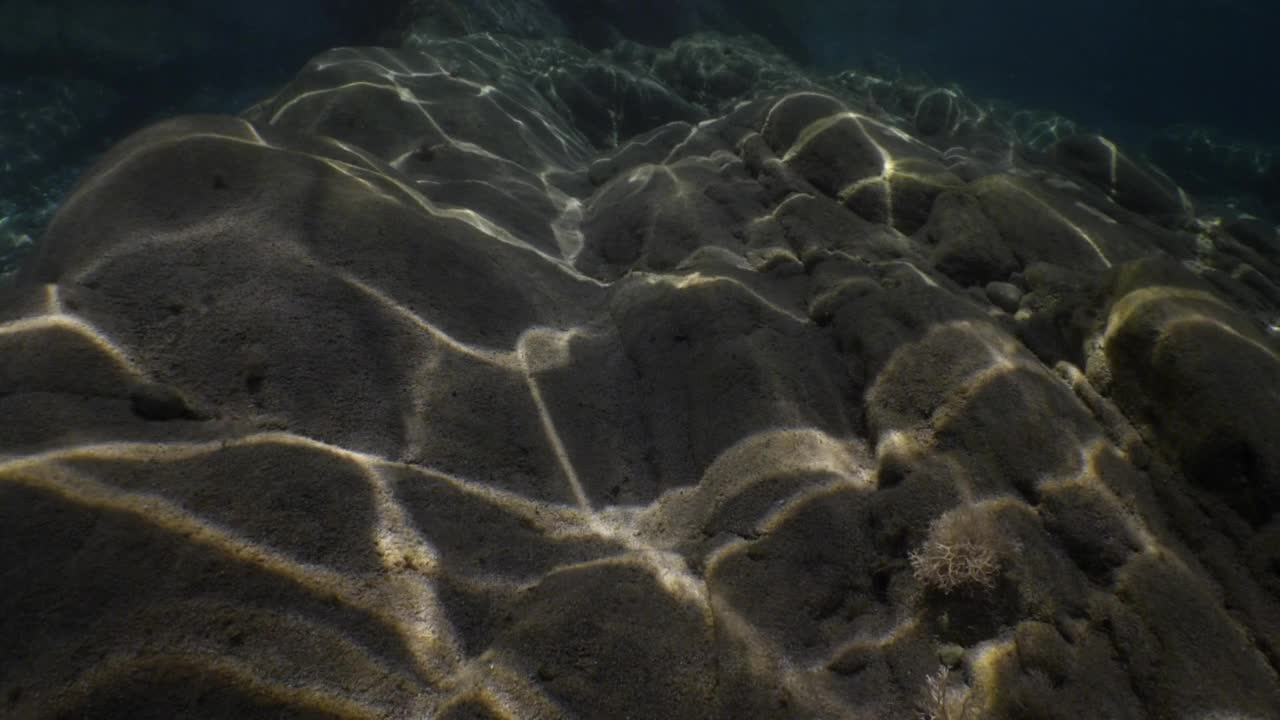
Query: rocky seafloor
column 496, row 378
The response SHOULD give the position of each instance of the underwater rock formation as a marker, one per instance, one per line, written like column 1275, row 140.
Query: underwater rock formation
column 494, row 378
column 77, row 76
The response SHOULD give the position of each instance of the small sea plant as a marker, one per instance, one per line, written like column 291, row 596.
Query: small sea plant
column 962, row 552
column 952, row 566
column 944, row 700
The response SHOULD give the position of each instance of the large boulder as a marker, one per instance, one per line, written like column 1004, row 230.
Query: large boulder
column 1180, row 359
column 1140, row 188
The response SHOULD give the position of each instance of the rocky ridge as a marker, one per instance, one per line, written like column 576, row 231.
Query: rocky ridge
column 493, row 378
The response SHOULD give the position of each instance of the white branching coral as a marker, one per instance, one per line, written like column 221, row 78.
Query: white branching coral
column 950, row 566
column 965, row 549
column 944, row 700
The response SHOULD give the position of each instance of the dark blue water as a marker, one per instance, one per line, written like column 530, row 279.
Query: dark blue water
column 1132, row 66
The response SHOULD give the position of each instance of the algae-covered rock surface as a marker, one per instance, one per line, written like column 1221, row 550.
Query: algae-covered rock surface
column 495, row 377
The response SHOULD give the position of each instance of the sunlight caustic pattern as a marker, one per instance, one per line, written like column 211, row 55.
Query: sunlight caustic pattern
column 397, row 398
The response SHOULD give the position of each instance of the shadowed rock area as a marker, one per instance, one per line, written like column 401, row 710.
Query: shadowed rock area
column 499, row 378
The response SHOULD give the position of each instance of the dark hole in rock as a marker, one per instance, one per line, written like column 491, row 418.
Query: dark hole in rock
column 153, row 401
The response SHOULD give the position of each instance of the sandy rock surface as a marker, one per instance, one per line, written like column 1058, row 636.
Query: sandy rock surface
column 492, row 378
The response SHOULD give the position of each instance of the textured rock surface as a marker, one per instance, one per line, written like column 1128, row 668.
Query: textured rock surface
column 494, row 379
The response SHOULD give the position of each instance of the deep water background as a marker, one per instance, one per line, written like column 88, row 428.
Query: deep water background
column 1187, row 82
column 1131, row 67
